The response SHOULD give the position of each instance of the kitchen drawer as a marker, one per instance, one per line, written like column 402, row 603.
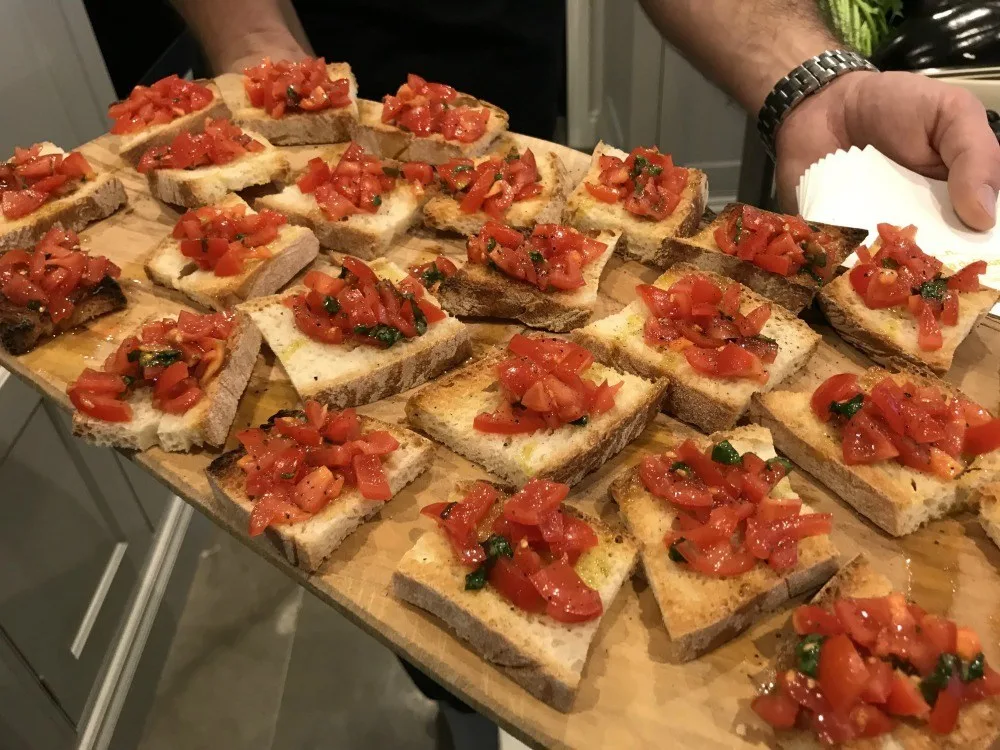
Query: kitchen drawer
column 72, row 542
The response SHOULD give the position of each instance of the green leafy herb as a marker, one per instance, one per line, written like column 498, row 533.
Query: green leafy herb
column 385, row 335
column 447, row 510
column 431, row 276
column 975, row 669
column 847, row 408
column 288, row 475
column 739, row 230
column 582, row 421
column 641, row 162
column 128, row 380
column 477, row 578
column 419, row 319
column 536, row 257
column 34, row 304
column 807, row 652
column 673, row 554
column 495, row 546
column 293, row 96
column 512, row 156
column 890, row 263
column 391, row 171
column 680, row 466
column 725, row 453
column 497, row 176
column 462, row 168
column 490, row 244
column 765, row 339
column 344, row 273
column 331, row 305
column 377, row 200
column 934, row 289
column 936, row 681
column 158, row 357
column 783, row 462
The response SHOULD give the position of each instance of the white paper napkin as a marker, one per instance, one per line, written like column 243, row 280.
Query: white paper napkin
column 863, row 187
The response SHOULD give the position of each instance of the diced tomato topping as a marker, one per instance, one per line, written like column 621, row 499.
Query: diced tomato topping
column 221, row 142
column 163, row 102
column 697, row 317
column 361, row 308
column 175, row 358
column 551, row 258
column 30, row 179
column 646, row 182
column 785, row 245
column 424, row 108
column 222, row 239
column 358, row 183
column 494, row 184
column 285, row 86
column 433, row 272
column 546, row 383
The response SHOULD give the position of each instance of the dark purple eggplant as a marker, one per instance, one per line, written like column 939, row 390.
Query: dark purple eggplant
column 938, row 36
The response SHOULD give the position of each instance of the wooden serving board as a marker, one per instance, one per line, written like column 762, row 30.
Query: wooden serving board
column 630, row 695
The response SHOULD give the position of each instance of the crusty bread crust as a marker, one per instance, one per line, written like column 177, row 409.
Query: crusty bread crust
column 92, row 201
column 294, row 128
column 389, row 142
column 443, row 211
column 841, row 306
column 696, row 626
column 204, row 186
column 132, row 146
column 335, row 523
column 793, row 293
column 21, row 329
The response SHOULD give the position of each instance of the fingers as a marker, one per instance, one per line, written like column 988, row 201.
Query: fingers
column 970, row 150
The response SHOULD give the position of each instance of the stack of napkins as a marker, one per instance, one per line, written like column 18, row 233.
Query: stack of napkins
column 863, row 187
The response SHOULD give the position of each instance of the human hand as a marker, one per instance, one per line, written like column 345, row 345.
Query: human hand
column 253, row 48
column 931, row 127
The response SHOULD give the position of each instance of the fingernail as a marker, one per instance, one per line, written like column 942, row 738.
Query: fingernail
column 988, row 200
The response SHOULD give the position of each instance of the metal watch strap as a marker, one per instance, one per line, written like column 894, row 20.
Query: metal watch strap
column 803, row 81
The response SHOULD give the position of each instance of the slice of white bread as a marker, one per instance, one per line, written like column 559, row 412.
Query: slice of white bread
column 708, row 403
column 348, row 374
column 641, row 238
column 293, row 128
column 391, row 142
column 477, row 289
column 207, row 185
column 94, row 199
column 989, row 511
column 363, row 235
column 894, row 497
column 308, row 543
column 446, row 408
column 889, row 334
column 294, row 248
column 542, row 655
column 701, row 612
column 207, row 422
column 444, row 212
column 21, row 329
column 794, row 293
column 978, row 723
column 131, row 146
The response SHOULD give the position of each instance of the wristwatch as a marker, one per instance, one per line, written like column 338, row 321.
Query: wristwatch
column 803, row 81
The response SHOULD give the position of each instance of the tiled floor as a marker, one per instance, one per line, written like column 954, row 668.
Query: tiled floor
column 257, row 663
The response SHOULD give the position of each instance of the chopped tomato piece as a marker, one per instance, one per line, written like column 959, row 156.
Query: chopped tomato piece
column 568, row 598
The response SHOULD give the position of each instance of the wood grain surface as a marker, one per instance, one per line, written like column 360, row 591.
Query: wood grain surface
column 630, row 696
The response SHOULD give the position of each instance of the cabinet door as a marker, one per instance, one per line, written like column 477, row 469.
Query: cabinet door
column 72, row 542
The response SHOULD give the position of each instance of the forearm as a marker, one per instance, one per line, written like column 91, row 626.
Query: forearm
column 234, row 32
column 744, row 46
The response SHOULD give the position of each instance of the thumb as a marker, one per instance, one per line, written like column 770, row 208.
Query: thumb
column 971, row 152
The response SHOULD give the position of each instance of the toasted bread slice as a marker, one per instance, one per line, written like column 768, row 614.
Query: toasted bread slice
column 989, row 511
column 294, row 248
column 444, row 212
column 701, row 612
column 308, row 543
column 978, row 723
column 477, row 289
column 708, row 403
column 131, row 146
column 642, row 238
column 446, row 409
column 343, row 375
column 21, row 329
column 364, row 235
column 207, row 185
column 544, row 656
column 391, row 142
column 793, row 293
column 894, row 497
column 891, row 334
column 207, row 422
column 293, row 128
column 95, row 199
